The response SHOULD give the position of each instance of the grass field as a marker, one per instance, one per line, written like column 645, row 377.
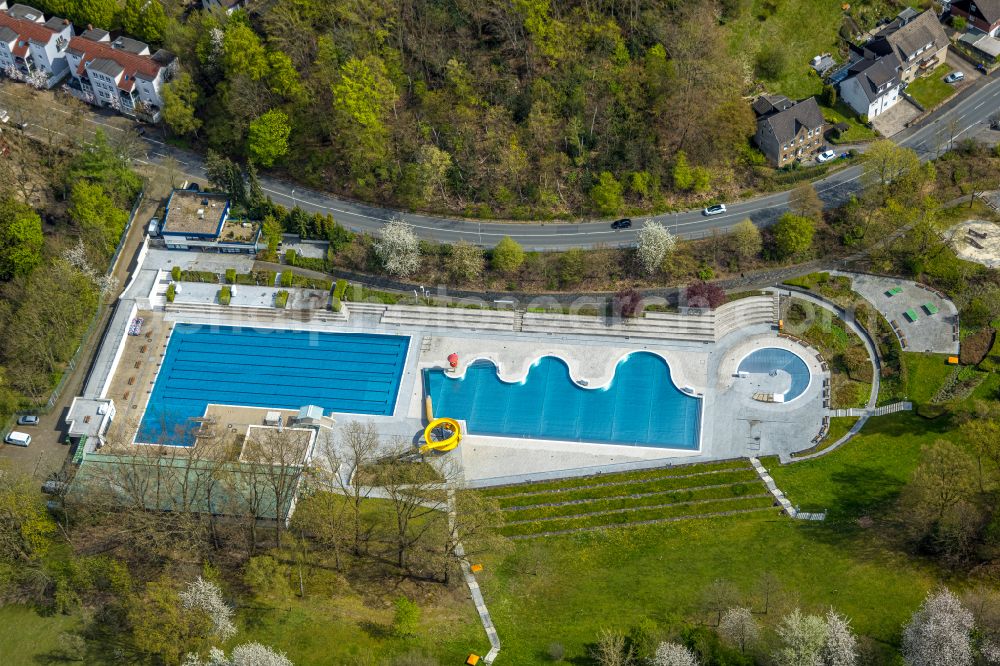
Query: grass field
column 29, row 638
column 931, row 90
column 608, row 500
column 926, row 374
column 566, row 589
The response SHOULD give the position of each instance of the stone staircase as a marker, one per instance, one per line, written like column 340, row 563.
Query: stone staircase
column 251, row 314
column 878, row 411
column 467, row 318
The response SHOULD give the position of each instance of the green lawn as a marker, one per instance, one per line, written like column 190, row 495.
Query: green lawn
column 841, row 113
column 931, row 90
column 29, row 638
column 566, row 589
column 926, row 373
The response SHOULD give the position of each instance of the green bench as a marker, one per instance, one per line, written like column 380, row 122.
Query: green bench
column 911, row 314
column 931, row 309
column 895, row 290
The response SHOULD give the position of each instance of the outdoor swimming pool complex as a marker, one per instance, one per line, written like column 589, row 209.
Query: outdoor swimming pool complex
column 280, row 369
column 640, row 407
column 771, row 359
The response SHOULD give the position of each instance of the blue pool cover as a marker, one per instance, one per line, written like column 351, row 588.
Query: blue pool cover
column 281, row 369
column 641, row 406
column 764, row 361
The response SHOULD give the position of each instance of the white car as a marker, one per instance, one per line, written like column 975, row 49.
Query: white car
column 826, row 156
column 717, row 209
column 954, row 77
column 18, row 438
column 4, row 116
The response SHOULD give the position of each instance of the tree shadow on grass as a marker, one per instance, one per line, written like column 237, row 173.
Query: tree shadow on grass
column 376, row 630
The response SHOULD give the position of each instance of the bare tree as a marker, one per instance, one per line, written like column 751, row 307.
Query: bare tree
column 613, row 649
column 275, row 458
column 355, row 449
column 718, row 597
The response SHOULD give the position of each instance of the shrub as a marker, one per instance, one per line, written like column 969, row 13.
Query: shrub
column 793, row 235
column 571, row 267
column 976, row 346
column 290, row 257
column 336, row 304
column 171, row 292
column 286, row 278
column 992, row 361
column 406, row 618
column 859, row 368
column 704, row 295
column 556, row 651
column 281, row 299
column 225, row 295
column 507, row 256
column 340, row 289
column 977, row 313
column 175, row 272
column 627, row 303
column 231, row 276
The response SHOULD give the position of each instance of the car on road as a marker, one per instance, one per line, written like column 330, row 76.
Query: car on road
column 954, row 77
column 826, row 156
column 717, row 209
column 18, row 438
column 624, row 223
column 27, row 420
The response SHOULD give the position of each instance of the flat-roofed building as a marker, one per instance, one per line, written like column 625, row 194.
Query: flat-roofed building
column 200, row 221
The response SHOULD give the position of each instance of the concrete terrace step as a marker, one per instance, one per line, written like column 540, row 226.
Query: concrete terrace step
column 460, row 317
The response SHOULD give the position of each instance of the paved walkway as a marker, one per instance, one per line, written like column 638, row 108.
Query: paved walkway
column 878, row 411
column 779, row 497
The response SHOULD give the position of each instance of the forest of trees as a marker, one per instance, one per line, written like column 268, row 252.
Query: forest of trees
column 61, row 217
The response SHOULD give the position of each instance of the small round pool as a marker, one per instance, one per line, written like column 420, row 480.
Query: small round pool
column 772, row 361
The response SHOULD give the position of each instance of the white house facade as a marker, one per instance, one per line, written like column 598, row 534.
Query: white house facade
column 872, row 86
column 31, row 48
column 121, row 74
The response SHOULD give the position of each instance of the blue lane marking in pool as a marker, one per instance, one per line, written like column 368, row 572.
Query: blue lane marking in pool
column 281, row 369
column 641, row 406
column 763, row 361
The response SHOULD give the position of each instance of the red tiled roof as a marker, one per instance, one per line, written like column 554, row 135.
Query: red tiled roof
column 27, row 29
column 132, row 64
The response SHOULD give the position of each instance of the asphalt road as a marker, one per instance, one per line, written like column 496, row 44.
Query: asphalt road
column 962, row 116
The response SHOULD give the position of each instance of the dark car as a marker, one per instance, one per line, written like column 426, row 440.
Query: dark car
column 27, row 420
column 194, row 187
column 981, row 68
column 623, row 223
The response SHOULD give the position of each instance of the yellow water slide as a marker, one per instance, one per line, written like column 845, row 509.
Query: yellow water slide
column 440, row 434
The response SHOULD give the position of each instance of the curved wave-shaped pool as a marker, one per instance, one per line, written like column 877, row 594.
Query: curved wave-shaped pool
column 640, row 407
column 773, row 359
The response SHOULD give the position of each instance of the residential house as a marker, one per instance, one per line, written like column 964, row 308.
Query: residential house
column 32, row 47
column 788, row 131
column 916, row 40
column 983, row 15
column 122, row 74
column 200, row 221
column 872, row 85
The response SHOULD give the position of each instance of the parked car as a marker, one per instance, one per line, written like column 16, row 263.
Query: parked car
column 154, row 227
column 4, row 116
column 954, row 77
column 826, row 156
column 18, row 438
column 624, row 223
column 717, row 209
column 27, row 420
column 982, row 68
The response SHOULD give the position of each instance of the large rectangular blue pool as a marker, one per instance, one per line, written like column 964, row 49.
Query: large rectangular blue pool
column 280, row 369
column 641, row 406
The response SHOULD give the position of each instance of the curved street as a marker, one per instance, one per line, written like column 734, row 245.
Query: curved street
column 968, row 111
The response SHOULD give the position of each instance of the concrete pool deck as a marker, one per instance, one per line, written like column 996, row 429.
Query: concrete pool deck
column 733, row 424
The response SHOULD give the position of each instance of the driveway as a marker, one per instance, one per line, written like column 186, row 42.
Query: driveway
column 926, row 332
column 896, row 118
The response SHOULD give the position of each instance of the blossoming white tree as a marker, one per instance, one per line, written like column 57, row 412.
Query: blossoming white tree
column 739, row 628
column 398, row 248
column 206, row 596
column 803, row 637
column 674, row 654
column 939, row 632
column 841, row 647
column 654, row 244
column 248, row 654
